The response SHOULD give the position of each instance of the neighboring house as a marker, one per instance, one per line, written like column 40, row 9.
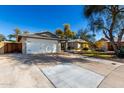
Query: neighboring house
column 38, row 43
column 102, row 44
column 77, row 44
column 105, row 45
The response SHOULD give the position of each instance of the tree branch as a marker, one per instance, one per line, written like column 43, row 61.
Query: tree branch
column 104, row 32
column 106, row 28
column 121, row 9
column 120, row 35
column 108, row 8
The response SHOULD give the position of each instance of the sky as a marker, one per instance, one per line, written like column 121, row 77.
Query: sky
column 40, row 18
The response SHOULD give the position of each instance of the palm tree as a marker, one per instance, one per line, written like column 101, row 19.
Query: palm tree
column 16, row 33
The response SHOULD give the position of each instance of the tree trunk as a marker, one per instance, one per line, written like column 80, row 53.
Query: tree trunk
column 114, row 46
column 111, row 39
column 16, row 38
column 120, row 38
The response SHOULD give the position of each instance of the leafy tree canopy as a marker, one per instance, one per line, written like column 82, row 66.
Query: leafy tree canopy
column 109, row 19
column 66, row 33
column 2, row 37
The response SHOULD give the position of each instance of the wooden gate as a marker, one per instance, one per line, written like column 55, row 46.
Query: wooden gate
column 13, row 48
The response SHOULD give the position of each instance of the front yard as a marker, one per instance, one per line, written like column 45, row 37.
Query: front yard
column 109, row 55
column 104, row 56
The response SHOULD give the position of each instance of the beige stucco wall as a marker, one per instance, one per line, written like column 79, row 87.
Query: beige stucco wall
column 23, row 41
column 77, row 45
column 59, row 47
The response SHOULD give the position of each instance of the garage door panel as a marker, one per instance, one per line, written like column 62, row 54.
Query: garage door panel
column 32, row 47
column 36, row 46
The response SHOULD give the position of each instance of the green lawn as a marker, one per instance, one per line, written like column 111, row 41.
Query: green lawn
column 98, row 54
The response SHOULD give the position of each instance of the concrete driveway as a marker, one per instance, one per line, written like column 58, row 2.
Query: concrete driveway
column 13, row 73
column 61, row 71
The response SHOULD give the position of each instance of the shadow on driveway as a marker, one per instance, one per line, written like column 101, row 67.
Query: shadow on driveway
column 45, row 59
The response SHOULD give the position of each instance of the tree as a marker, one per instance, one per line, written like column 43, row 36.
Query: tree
column 2, row 37
column 109, row 20
column 73, row 35
column 67, row 32
column 16, row 33
column 84, row 34
column 59, row 33
column 10, row 36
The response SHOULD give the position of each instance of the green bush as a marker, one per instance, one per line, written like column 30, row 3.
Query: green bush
column 77, row 48
column 121, row 52
column 85, row 48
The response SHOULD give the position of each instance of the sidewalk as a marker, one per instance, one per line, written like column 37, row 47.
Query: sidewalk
column 112, row 70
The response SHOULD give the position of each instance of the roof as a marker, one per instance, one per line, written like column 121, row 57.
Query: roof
column 115, row 39
column 103, row 39
column 41, row 35
column 77, row 40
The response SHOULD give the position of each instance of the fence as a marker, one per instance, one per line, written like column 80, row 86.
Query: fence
column 7, row 47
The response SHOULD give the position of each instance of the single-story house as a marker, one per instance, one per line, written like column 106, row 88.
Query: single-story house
column 105, row 45
column 38, row 43
column 77, row 44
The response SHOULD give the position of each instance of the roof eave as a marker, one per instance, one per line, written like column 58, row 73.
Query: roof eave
column 43, row 38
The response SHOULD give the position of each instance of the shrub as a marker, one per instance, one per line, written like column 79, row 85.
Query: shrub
column 77, row 48
column 69, row 48
column 85, row 48
column 121, row 52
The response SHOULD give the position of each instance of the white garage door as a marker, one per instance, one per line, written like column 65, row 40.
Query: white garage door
column 38, row 46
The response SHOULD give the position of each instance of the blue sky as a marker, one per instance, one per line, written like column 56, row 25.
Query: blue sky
column 40, row 18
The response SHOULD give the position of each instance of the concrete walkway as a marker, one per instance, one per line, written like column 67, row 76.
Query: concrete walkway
column 78, row 74
column 115, row 79
column 72, row 76
column 112, row 71
column 99, row 60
